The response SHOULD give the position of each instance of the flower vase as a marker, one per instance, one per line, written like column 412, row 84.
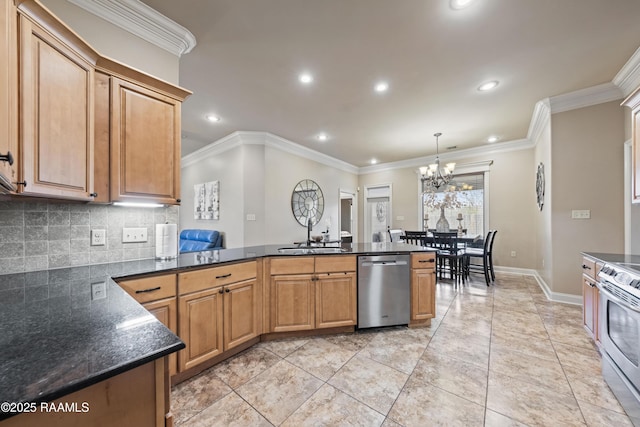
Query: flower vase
column 442, row 225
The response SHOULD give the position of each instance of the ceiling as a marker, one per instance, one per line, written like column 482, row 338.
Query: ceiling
column 249, row 54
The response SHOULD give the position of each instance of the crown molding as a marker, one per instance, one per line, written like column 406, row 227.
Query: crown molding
column 628, row 78
column 539, row 119
column 142, row 21
column 266, row 139
column 502, row 147
column 587, row 97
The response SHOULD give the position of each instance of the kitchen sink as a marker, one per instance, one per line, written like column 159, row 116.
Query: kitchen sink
column 306, row 250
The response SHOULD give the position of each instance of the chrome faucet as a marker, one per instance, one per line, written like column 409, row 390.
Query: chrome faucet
column 309, row 226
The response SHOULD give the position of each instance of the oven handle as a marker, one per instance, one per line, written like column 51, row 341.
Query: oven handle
column 617, row 300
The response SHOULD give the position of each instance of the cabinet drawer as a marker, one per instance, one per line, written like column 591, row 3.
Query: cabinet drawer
column 423, row 260
column 292, row 265
column 150, row 288
column 330, row 263
column 218, row 276
column 589, row 267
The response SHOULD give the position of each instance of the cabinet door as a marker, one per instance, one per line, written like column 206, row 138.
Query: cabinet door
column 200, row 325
column 292, row 303
column 589, row 305
column 145, row 144
column 336, row 300
column 165, row 310
column 241, row 313
column 423, row 298
column 56, row 106
column 8, row 92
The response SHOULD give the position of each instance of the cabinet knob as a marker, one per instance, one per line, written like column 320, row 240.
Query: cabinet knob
column 7, row 158
column 93, row 194
column 585, row 267
column 227, row 290
column 178, row 200
column 23, row 183
column 220, row 291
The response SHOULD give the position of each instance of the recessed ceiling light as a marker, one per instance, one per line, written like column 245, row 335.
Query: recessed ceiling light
column 212, row 118
column 460, row 4
column 492, row 138
column 381, row 87
column 374, row 161
column 488, row 86
column 305, row 78
column 323, row 137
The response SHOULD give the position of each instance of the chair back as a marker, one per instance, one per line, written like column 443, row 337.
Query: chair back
column 394, row 235
column 446, row 241
column 415, row 237
column 490, row 237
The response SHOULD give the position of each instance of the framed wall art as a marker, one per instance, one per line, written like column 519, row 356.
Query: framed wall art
column 206, row 200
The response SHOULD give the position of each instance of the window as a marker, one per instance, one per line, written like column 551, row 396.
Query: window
column 466, row 193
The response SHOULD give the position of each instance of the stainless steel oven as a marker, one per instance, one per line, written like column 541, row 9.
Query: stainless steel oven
column 619, row 323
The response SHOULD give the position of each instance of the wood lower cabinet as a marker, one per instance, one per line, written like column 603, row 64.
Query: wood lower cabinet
column 158, row 295
column 336, row 300
column 201, row 327
column 423, row 288
column 138, row 397
column 219, row 309
column 590, row 297
column 56, row 114
column 292, row 303
column 313, row 293
column 145, row 144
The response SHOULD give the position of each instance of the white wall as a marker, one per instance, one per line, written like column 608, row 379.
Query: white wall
column 257, row 178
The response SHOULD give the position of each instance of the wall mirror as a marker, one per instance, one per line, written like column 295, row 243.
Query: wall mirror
column 307, row 202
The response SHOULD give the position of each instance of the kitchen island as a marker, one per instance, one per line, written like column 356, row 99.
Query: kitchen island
column 68, row 330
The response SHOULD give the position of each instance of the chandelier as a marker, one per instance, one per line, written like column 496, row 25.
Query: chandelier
column 433, row 175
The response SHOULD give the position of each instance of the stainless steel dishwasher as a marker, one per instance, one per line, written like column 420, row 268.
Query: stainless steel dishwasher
column 384, row 290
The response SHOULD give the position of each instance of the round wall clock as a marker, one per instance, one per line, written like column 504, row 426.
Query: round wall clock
column 540, row 185
column 307, row 202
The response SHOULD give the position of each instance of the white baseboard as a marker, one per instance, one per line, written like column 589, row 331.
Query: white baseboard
column 551, row 296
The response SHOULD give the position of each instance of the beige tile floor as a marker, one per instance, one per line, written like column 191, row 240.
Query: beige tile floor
column 498, row 356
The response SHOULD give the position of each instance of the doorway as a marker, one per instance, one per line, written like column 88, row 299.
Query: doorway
column 377, row 216
column 348, row 227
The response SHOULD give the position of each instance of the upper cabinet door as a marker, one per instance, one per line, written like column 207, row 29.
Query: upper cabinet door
column 8, row 95
column 145, row 144
column 56, row 105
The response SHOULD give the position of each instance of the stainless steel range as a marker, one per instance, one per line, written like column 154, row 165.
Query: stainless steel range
column 619, row 323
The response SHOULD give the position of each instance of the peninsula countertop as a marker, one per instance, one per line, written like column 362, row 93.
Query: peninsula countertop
column 62, row 330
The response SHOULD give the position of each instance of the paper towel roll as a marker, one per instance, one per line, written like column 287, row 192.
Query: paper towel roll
column 166, row 241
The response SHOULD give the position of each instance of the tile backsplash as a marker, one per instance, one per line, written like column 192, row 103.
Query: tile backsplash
column 40, row 235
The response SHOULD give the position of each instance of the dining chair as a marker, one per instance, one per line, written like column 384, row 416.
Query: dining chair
column 450, row 258
column 481, row 259
column 395, row 235
column 415, row 237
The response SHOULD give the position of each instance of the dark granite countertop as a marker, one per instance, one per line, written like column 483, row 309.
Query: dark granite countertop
column 64, row 329
column 614, row 258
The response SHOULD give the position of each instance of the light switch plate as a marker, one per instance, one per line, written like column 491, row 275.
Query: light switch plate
column 98, row 290
column 581, row 214
column 135, row 235
column 251, row 217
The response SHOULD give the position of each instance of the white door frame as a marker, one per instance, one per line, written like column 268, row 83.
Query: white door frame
column 388, row 193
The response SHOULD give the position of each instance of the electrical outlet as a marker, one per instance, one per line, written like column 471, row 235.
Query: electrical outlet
column 251, row 217
column 135, row 235
column 513, row 254
column 400, row 218
column 98, row 290
column 98, row 237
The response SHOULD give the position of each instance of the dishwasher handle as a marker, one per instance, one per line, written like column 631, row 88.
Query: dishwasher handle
column 383, row 263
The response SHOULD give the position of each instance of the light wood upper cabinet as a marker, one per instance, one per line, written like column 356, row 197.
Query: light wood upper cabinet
column 56, row 116
column 8, row 94
column 145, row 144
